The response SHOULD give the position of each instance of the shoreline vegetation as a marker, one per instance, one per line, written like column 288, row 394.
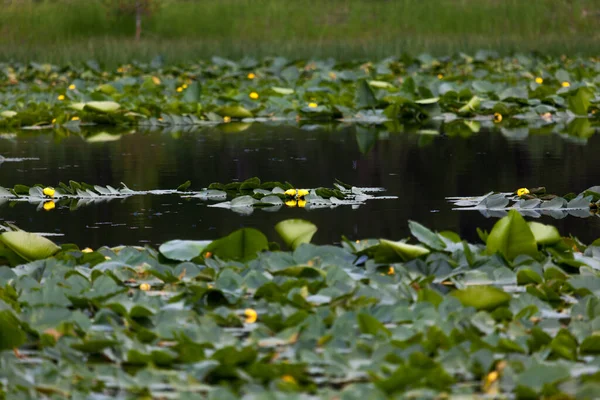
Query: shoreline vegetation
column 63, row 31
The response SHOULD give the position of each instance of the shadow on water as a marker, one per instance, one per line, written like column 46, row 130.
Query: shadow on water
column 421, row 168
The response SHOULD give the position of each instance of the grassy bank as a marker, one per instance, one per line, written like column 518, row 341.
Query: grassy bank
column 66, row 30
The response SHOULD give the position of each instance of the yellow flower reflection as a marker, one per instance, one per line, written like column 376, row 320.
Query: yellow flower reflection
column 291, row 203
column 301, row 203
column 251, row 315
column 48, row 191
column 522, row 192
column 49, row 205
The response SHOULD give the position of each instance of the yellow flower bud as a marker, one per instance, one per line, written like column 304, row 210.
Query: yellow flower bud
column 312, row 105
column 440, row 76
column 251, row 75
column 156, row 80
column 497, row 118
column 253, row 95
column 48, row 191
column 251, row 315
column 179, row 89
column 291, row 192
column 566, row 84
column 145, row 287
column 522, row 192
column 539, row 80
column 289, row 379
column 75, row 119
column 303, row 192
column 87, row 250
column 61, row 97
column 226, row 119
column 72, row 87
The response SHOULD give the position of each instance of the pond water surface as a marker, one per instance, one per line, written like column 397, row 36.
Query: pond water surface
column 420, row 169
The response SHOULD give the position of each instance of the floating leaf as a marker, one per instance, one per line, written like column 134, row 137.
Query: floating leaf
column 242, row 245
column 183, row 250
column 482, row 297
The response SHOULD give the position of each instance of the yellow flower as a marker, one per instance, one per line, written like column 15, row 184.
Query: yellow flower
column 226, row 119
column 391, row 271
column 156, row 80
column 49, row 205
column 120, row 70
column 566, row 84
column 497, row 117
column 61, row 97
column 313, row 105
column 145, row 287
column 72, row 87
column 53, row 120
column 48, row 191
column 303, row 192
column 289, row 379
column 251, row 75
column 185, row 86
column 291, row 192
column 291, row 203
column 208, row 254
column 75, row 119
column 333, row 76
column 301, row 203
column 522, row 192
column 440, row 76
column 87, row 250
column 253, row 95
column 179, row 89
column 539, row 80
column 251, row 315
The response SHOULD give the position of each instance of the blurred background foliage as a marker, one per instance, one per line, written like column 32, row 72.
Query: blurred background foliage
column 60, row 31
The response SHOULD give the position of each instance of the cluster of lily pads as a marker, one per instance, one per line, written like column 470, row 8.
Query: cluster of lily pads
column 533, row 202
column 245, row 195
column 514, row 316
column 413, row 90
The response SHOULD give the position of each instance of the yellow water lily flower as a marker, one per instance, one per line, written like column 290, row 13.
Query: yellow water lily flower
column 145, row 287
column 53, row 120
column 49, row 205
column 251, row 315
column 48, row 191
column 253, row 95
column 289, row 379
column 301, row 203
column 291, row 203
column 497, row 118
column 391, row 271
column 539, row 80
column 87, row 250
column 312, row 105
column 440, row 76
column 566, row 84
column 522, row 192
column 156, row 80
column 72, row 87
column 75, row 119
column 303, row 192
column 179, row 89
column 251, row 75
column 291, row 192
column 226, row 119
column 61, row 97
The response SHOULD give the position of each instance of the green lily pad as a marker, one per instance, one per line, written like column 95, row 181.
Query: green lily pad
column 29, row 245
column 294, row 232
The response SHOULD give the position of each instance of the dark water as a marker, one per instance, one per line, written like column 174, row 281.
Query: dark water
column 420, row 170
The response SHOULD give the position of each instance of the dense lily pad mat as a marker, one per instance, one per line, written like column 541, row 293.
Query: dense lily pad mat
column 375, row 319
column 406, row 89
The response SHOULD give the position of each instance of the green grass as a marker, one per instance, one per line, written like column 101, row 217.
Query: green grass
column 67, row 30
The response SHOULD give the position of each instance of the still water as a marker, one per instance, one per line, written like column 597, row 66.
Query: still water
column 420, row 170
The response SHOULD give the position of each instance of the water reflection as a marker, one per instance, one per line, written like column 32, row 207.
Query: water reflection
column 420, row 165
